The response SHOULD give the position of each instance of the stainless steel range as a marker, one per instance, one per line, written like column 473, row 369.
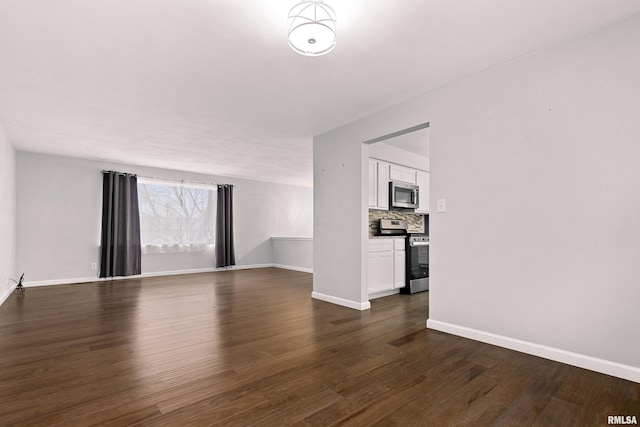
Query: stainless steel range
column 393, row 227
column 417, row 255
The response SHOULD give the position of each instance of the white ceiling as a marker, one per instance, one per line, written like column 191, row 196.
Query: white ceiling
column 212, row 86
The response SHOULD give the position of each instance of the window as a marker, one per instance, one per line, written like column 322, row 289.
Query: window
column 176, row 217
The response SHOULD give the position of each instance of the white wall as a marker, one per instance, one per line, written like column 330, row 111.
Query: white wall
column 294, row 253
column 7, row 214
column 538, row 161
column 59, row 206
column 340, row 180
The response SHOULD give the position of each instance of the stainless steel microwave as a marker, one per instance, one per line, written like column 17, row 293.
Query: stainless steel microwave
column 403, row 195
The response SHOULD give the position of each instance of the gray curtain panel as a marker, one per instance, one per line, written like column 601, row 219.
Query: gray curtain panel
column 225, row 250
column 120, row 251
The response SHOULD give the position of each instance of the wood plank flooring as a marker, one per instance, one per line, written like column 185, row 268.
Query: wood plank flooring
column 250, row 347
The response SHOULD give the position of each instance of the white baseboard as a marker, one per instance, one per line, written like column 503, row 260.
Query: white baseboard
column 199, row 270
column 341, row 301
column 7, row 294
column 291, row 267
column 308, row 239
column 54, row 282
column 615, row 369
column 149, row 274
column 384, row 294
column 245, row 267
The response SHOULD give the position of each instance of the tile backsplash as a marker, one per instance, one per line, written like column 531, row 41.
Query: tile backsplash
column 415, row 222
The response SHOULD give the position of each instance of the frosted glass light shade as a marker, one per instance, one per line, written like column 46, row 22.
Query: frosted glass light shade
column 312, row 28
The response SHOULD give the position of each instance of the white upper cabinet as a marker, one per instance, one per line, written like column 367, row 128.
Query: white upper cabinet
column 380, row 173
column 383, row 185
column 422, row 180
column 402, row 173
column 378, row 184
column 373, row 183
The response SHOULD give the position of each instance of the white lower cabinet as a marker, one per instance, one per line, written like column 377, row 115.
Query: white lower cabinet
column 386, row 265
column 381, row 275
column 399, row 269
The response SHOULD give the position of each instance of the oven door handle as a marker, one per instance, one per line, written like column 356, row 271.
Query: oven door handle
column 419, row 244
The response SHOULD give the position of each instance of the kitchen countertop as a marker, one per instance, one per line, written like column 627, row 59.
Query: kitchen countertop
column 387, row 237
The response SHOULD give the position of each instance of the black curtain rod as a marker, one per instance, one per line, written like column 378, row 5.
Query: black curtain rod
column 182, row 181
column 119, row 173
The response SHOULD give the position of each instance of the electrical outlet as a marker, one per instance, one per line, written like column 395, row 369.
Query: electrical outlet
column 94, row 266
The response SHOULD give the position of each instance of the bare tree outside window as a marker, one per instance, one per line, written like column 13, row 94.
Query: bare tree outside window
column 176, row 218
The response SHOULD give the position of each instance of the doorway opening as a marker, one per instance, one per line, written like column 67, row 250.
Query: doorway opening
column 398, row 160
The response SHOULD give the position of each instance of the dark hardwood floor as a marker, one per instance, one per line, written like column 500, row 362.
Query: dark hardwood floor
column 251, row 347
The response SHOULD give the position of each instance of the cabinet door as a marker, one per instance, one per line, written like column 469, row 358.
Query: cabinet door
column 409, row 175
column 395, row 172
column 383, row 185
column 380, row 271
column 373, row 183
column 422, row 179
column 373, row 278
column 402, row 173
column 399, row 266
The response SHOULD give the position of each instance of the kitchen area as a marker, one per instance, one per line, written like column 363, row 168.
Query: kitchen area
column 398, row 199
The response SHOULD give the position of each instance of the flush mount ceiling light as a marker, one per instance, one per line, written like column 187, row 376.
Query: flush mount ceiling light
column 312, row 28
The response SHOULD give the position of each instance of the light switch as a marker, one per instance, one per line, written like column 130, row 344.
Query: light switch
column 442, row 205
